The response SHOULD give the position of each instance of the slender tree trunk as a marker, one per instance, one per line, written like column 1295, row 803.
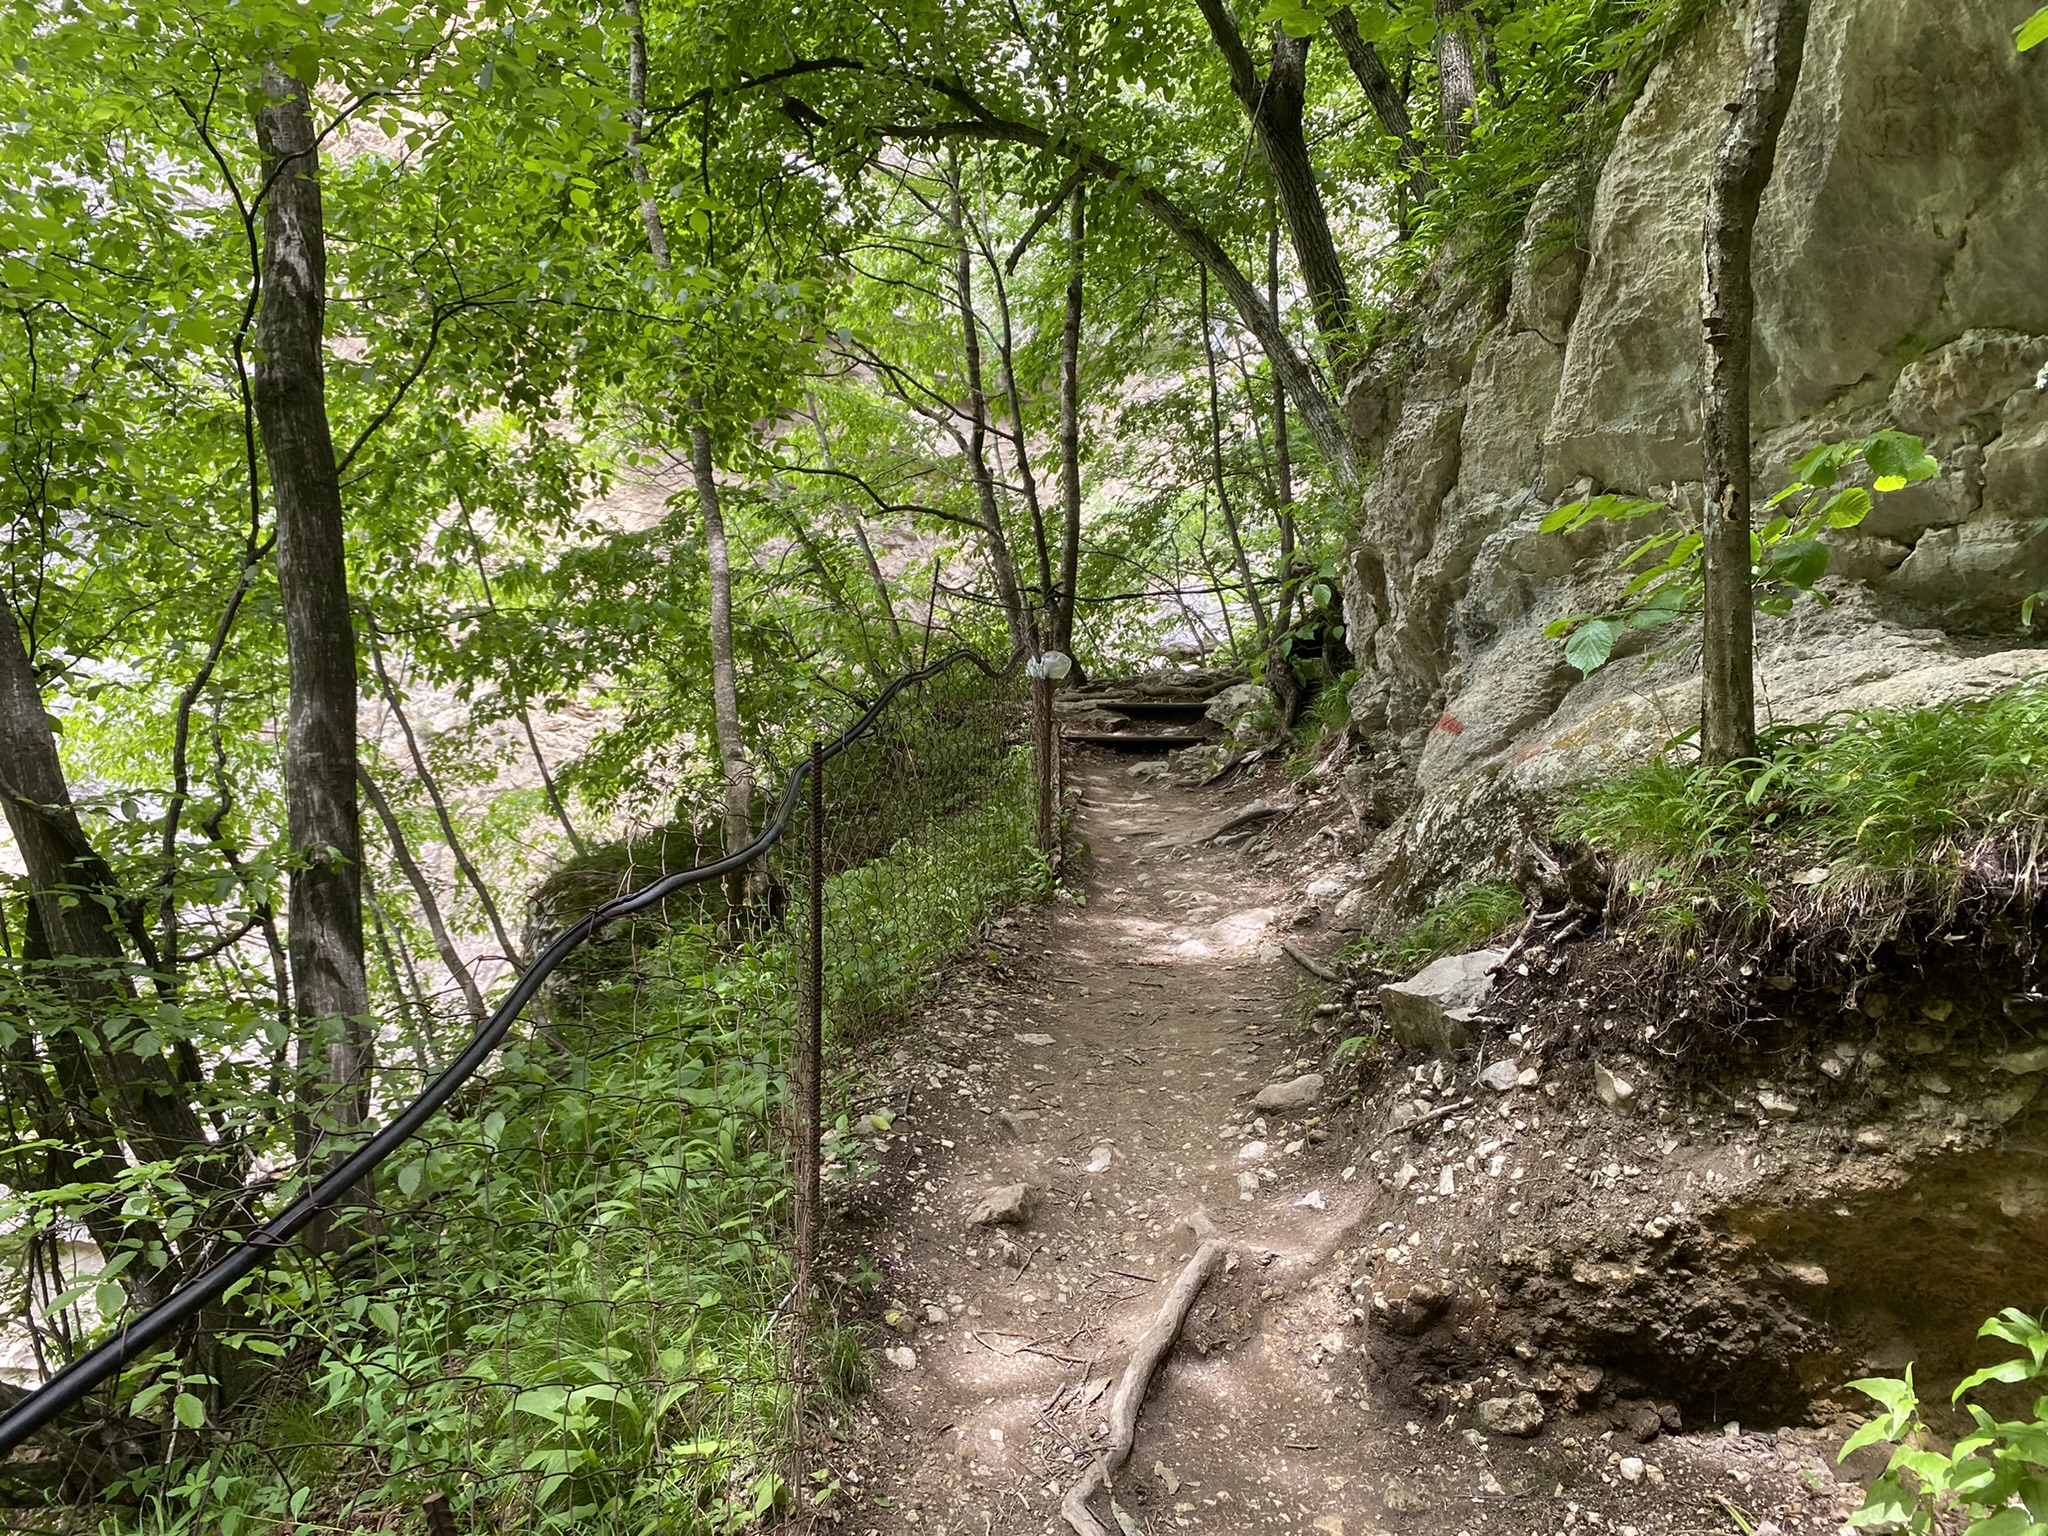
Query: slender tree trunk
column 1028, row 481
column 423, row 892
column 1389, row 104
column 998, row 544
column 325, row 934
column 1274, row 106
column 860, row 532
column 1263, row 634
column 1742, row 169
column 725, row 708
column 1457, row 85
column 725, row 697
column 1280, row 666
column 425, row 773
column 1070, row 427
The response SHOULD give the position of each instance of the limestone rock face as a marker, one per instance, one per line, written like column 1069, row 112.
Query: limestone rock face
column 1902, row 280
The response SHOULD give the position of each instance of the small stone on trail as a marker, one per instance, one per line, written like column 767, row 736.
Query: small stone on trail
column 1502, row 1075
column 1247, row 1185
column 1298, row 1094
column 1872, row 1140
column 1002, row 1207
column 1251, row 1151
column 1405, row 1175
column 1617, row 1093
column 1520, row 1415
column 1447, row 1182
column 1017, row 1122
column 1405, row 1114
column 2023, row 1063
column 1033, row 1039
column 1100, row 1159
column 1631, row 1468
column 1777, row 1105
column 1166, row 1475
column 902, row 1356
column 1314, row 1201
column 937, row 1316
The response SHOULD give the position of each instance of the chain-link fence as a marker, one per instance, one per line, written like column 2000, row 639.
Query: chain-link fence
column 582, row 1297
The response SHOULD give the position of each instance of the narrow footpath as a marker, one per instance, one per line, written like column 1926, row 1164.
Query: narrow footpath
column 1105, row 1056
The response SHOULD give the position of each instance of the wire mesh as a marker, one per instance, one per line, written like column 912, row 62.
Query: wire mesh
column 580, row 1300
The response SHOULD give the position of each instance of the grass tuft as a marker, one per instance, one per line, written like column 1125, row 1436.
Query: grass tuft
column 1855, row 822
column 1465, row 919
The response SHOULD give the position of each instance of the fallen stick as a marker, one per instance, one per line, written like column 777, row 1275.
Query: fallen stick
column 1435, row 1114
column 1152, row 1347
column 1314, row 967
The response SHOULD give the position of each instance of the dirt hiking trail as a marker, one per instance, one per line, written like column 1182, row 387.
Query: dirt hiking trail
column 1106, row 1056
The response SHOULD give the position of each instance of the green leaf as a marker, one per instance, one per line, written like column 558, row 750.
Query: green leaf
column 1801, row 562
column 1592, row 643
column 1898, row 459
column 188, row 1410
column 1846, row 508
column 2032, row 32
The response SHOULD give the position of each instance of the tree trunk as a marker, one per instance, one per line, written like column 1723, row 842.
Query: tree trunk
column 1385, row 98
column 1279, row 666
column 738, row 793
column 725, row 694
column 325, row 937
column 1274, row 107
column 423, row 892
column 1026, row 479
column 1070, row 428
column 1001, row 565
column 1457, row 85
column 1742, row 169
column 1262, row 635
column 431, row 785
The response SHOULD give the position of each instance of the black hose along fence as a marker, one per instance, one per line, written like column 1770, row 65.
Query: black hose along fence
column 581, row 1298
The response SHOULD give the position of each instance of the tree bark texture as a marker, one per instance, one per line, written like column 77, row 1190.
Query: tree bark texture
column 1382, row 94
column 1742, row 169
column 1457, row 83
column 1274, row 106
column 1070, row 426
column 325, row 937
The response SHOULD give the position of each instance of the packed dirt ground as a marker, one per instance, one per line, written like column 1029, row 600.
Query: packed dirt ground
column 1104, row 1053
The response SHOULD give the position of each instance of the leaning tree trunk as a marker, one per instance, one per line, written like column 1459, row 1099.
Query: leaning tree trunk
column 1274, row 106
column 325, row 937
column 1070, row 428
column 1742, row 169
column 77, row 939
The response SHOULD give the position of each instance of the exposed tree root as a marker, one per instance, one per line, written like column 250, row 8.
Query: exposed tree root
column 1308, row 962
column 1152, row 1347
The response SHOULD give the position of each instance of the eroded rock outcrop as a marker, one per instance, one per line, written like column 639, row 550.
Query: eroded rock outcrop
column 1902, row 277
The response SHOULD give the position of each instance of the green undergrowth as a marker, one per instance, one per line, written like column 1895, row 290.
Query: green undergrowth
column 1848, row 826
column 1464, row 919
column 579, row 1318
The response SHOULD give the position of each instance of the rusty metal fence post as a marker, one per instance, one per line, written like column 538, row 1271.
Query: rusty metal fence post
column 1044, row 670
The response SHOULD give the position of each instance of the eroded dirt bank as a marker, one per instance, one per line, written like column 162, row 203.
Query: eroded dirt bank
column 1106, row 1056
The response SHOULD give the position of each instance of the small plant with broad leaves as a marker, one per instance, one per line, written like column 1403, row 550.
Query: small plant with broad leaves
column 1788, row 550
column 1995, row 1480
column 2032, row 32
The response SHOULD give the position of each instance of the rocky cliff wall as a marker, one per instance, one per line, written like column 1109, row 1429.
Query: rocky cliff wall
column 1902, row 279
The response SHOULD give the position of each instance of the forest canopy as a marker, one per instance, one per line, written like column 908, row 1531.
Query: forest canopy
column 438, row 440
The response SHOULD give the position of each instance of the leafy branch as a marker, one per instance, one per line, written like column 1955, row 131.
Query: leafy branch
column 1788, row 553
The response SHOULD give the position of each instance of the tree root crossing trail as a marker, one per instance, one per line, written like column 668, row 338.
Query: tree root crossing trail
column 1109, row 1073
column 1076, row 1175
